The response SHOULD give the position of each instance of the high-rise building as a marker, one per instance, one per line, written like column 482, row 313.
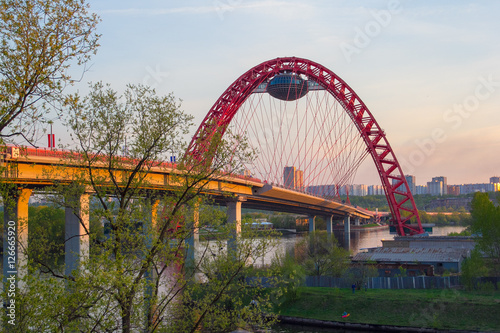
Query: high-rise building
column 471, row 188
column 289, row 177
column 435, row 188
column 293, row 178
column 358, row 190
column 376, row 190
column 438, row 186
column 410, row 179
column 454, row 189
column 411, row 184
column 422, row 189
column 323, row 190
column 494, row 180
column 299, row 180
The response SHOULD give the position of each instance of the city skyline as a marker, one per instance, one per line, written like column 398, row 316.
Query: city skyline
column 428, row 72
column 437, row 186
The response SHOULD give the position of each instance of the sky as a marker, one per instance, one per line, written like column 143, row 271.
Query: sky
column 429, row 71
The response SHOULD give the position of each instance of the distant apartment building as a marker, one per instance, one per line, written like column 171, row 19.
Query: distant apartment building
column 323, row 190
column 331, row 190
column 360, row 190
column 376, row 190
column 438, row 186
column 293, row 178
column 354, row 190
column 471, row 188
column 421, row 189
column 454, row 189
column 444, row 183
column 289, row 177
column 410, row 179
column 299, row 180
column 435, row 188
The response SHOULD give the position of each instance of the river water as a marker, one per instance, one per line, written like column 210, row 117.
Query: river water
column 359, row 240
column 373, row 238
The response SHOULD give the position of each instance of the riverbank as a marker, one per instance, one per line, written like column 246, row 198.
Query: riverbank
column 376, row 308
column 366, row 227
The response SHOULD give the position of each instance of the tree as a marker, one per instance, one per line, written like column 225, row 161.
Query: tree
column 139, row 277
column 473, row 268
column 358, row 274
column 39, row 40
column 485, row 223
column 46, row 234
column 292, row 273
column 321, row 255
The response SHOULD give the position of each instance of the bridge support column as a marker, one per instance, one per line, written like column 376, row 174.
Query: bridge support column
column 234, row 217
column 76, row 229
column 193, row 240
column 312, row 223
column 15, row 237
column 357, row 221
column 150, row 230
column 329, row 224
column 347, row 232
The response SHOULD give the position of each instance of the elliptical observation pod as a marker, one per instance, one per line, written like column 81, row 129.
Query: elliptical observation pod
column 287, row 87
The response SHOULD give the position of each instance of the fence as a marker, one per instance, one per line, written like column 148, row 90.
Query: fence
column 410, row 282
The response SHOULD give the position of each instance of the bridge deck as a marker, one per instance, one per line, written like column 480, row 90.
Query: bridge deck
column 39, row 168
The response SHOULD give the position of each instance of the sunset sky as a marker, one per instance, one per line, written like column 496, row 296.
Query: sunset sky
column 428, row 71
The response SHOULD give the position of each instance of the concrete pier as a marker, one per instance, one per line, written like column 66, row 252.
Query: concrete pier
column 76, row 229
column 312, row 223
column 329, row 224
column 347, row 231
column 234, row 217
column 15, row 235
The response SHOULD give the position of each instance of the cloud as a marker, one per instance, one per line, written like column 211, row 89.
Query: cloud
column 217, row 6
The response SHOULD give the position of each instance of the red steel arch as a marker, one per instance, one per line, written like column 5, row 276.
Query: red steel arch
column 397, row 191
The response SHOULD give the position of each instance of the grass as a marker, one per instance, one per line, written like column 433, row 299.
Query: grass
column 442, row 309
column 370, row 225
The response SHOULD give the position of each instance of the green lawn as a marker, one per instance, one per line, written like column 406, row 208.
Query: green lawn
column 443, row 309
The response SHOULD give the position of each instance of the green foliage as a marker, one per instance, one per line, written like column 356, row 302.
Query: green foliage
column 283, row 220
column 292, row 276
column 472, row 268
column 486, row 224
column 443, row 220
column 465, row 232
column 486, row 287
column 46, row 235
column 358, row 274
column 370, row 202
column 402, row 272
column 321, row 255
column 39, row 40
